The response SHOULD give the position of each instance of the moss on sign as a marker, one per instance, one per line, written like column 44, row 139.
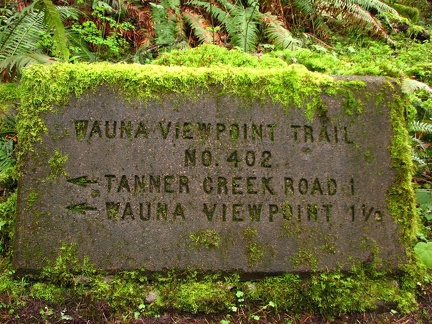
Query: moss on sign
column 292, row 87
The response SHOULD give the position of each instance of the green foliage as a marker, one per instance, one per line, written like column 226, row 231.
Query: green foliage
column 13, row 290
column 321, row 16
column 168, row 22
column 285, row 291
column 112, row 47
column 420, row 95
column 209, row 294
column 7, row 141
column 193, row 296
column 7, row 159
column 370, row 58
column 243, row 21
column 424, row 253
column 423, row 6
column 422, row 154
column 123, row 291
column 9, row 96
column 330, row 293
column 409, row 12
column 20, row 36
column 423, row 249
column 422, row 71
column 53, row 22
column 204, row 33
column 48, row 292
column 7, row 217
column 66, row 266
column 104, row 35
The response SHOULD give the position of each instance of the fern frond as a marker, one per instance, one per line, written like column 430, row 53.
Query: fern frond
column 381, row 7
column 6, row 154
column 361, row 17
column 54, row 23
column 242, row 25
column 419, row 161
column 8, row 123
column 200, row 27
column 277, row 33
column 20, row 61
column 411, row 86
column 420, row 127
column 355, row 16
column 25, row 30
column 213, row 10
column 23, row 40
column 306, row 6
column 168, row 25
column 80, row 49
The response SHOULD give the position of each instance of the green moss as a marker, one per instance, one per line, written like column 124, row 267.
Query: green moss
column 208, row 55
column 255, row 251
column 293, row 87
column 205, row 238
column 32, row 198
column 63, row 269
column 408, row 12
column 315, row 243
column 330, row 293
column 305, row 256
column 48, row 292
column 369, row 157
column 205, row 297
column 57, row 163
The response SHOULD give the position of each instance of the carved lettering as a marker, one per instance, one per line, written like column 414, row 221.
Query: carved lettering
column 189, row 130
column 240, row 212
column 137, row 184
column 310, row 186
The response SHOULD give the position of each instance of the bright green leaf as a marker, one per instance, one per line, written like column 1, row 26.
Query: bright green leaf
column 424, row 252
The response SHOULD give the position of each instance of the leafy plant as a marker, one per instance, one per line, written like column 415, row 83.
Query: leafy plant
column 321, row 16
column 424, row 253
column 422, row 156
column 421, row 129
column 22, row 31
column 243, row 21
column 168, row 22
column 7, row 213
column 8, row 139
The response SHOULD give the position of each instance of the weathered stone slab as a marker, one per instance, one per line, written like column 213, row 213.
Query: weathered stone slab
column 212, row 182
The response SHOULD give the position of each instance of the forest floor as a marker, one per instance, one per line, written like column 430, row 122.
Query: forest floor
column 86, row 311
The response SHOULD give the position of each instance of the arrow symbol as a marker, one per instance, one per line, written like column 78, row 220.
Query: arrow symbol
column 81, row 181
column 81, row 208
